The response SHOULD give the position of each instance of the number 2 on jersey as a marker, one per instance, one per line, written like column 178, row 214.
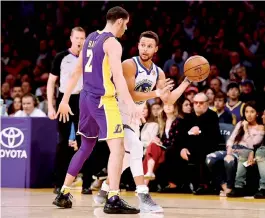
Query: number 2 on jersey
column 89, row 55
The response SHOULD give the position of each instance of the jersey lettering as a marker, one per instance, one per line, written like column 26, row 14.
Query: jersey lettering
column 89, row 55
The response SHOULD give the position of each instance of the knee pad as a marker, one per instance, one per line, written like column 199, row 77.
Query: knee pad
column 135, row 147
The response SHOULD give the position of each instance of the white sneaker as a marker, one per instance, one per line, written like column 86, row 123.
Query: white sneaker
column 149, row 176
column 101, row 198
column 147, row 205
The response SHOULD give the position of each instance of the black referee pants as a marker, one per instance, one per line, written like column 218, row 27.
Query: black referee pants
column 64, row 152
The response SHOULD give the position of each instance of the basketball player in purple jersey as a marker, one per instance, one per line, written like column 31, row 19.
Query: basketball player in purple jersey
column 100, row 63
column 142, row 76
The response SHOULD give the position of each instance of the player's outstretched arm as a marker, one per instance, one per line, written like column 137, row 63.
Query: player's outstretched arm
column 171, row 97
column 64, row 109
column 73, row 79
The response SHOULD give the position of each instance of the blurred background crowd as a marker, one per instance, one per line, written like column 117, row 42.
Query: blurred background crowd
column 230, row 35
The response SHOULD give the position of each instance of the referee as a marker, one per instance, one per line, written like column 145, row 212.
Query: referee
column 63, row 66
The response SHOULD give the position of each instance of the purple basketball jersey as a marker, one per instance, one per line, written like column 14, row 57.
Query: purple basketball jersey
column 97, row 75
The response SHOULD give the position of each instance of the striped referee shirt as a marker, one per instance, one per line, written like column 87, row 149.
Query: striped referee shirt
column 63, row 66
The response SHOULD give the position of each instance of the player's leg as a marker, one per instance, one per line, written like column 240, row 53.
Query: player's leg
column 135, row 147
column 88, row 129
column 110, row 129
column 64, row 153
column 115, row 164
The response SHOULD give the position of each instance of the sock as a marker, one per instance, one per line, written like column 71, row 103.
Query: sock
column 142, row 189
column 105, row 187
column 81, row 155
column 113, row 193
column 65, row 189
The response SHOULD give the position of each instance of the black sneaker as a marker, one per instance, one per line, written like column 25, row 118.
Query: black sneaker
column 236, row 193
column 86, row 191
column 260, row 194
column 116, row 205
column 63, row 200
column 102, row 175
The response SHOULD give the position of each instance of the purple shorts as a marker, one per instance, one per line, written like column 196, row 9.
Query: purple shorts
column 99, row 117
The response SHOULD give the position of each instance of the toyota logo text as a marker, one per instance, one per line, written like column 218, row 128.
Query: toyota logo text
column 11, row 138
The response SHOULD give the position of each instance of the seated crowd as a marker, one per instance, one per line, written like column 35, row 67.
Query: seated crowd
column 212, row 139
column 199, row 149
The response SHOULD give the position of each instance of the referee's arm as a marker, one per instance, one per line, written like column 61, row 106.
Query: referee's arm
column 54, row 74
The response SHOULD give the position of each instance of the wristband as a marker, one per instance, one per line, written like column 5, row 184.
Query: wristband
column 157, row 93
column 186, row 79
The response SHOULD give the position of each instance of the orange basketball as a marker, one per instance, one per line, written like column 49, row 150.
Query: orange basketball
column 196, row 68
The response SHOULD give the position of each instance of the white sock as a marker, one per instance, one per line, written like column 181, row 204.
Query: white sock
column 142, row 189
column 105, row 186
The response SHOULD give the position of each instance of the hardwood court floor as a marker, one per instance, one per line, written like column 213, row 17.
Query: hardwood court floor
column 37, row 203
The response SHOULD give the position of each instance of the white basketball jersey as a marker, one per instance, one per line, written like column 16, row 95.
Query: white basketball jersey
column 145, row 81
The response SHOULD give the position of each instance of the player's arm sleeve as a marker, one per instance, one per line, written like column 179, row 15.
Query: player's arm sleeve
column 56, row 64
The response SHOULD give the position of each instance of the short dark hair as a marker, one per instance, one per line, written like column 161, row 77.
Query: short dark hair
column 151, row 35
column 220, row 95
column 116, row 13
column 232, row 85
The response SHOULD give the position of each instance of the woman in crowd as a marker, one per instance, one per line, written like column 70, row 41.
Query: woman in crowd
column 169, row 129
column 169, row 178
column 148, row 130
column 240, row 146
column 210, row 94
column 156, row 150
column 15, row 106
column 155, row 110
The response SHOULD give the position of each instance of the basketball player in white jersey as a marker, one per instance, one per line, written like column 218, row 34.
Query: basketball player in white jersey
column 142, row 76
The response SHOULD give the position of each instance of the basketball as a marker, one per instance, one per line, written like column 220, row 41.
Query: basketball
column 196, row 68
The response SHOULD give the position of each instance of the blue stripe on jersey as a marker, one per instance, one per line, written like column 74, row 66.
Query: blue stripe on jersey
column 157, row 71
column 136, row 67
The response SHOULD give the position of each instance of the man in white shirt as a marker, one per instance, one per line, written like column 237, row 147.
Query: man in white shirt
column 29, row 105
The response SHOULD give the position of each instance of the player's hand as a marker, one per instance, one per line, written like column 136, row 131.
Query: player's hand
column 52, row 113
column 135, row 113
column 64, row 110
column 168, row 86
column 184, row 154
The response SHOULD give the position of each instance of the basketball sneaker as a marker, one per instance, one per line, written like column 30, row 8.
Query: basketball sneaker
column 147, row 205
column 63, row 200
column 116, row 205
column 101, row 198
